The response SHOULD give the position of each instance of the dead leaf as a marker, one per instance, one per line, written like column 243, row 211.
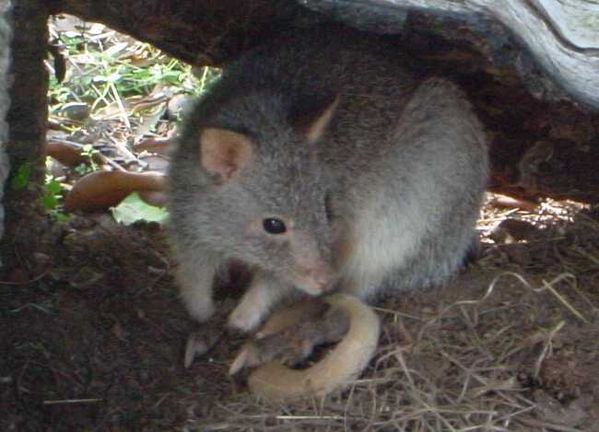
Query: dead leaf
column 101, row 190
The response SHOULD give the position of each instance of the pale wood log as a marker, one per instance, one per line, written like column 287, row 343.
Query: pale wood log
column 563, row 35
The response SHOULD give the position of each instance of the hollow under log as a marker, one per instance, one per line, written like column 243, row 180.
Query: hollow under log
column 545, row 144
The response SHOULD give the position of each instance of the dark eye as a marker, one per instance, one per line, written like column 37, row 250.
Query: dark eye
column 274, row 226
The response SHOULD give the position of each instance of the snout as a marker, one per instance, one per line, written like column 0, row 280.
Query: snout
column 311, row 269
column 316, row 280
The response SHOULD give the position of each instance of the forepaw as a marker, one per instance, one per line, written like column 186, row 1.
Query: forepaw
column 201, row 310
column 205, row 338
column 244, row 318
column 199, row 343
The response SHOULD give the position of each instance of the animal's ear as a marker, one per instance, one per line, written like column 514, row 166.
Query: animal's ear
column 312, row 122
column 224, row 152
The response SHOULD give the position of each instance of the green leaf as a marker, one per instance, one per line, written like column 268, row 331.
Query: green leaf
column 21, row 177
column 52, row 193
column 133, row 209
column 82, row 169
column 50, row 201
column 60, row 216
column 54, row 187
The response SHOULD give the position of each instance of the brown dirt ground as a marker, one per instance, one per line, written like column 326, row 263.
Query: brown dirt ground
column 96, row 343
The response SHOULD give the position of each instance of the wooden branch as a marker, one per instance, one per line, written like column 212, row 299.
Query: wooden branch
column 200, row 32
column 561, row 34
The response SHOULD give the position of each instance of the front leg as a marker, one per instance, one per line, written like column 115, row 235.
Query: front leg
column 263, row 292
column 195, row 276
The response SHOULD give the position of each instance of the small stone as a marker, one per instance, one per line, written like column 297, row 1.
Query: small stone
column 77, row 111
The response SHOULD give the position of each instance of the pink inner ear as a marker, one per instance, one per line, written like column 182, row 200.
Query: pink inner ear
column 224, row 152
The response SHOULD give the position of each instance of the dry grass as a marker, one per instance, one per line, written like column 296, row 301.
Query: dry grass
column 490, row 352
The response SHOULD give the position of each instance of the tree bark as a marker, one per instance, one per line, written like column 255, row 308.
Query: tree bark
column 562, row 35
column 27, row 119
column 5, row 36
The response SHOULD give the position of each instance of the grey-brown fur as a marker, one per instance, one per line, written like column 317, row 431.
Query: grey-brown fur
column 387, row 197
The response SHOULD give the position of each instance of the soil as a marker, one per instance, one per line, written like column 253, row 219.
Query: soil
column 96, row 343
